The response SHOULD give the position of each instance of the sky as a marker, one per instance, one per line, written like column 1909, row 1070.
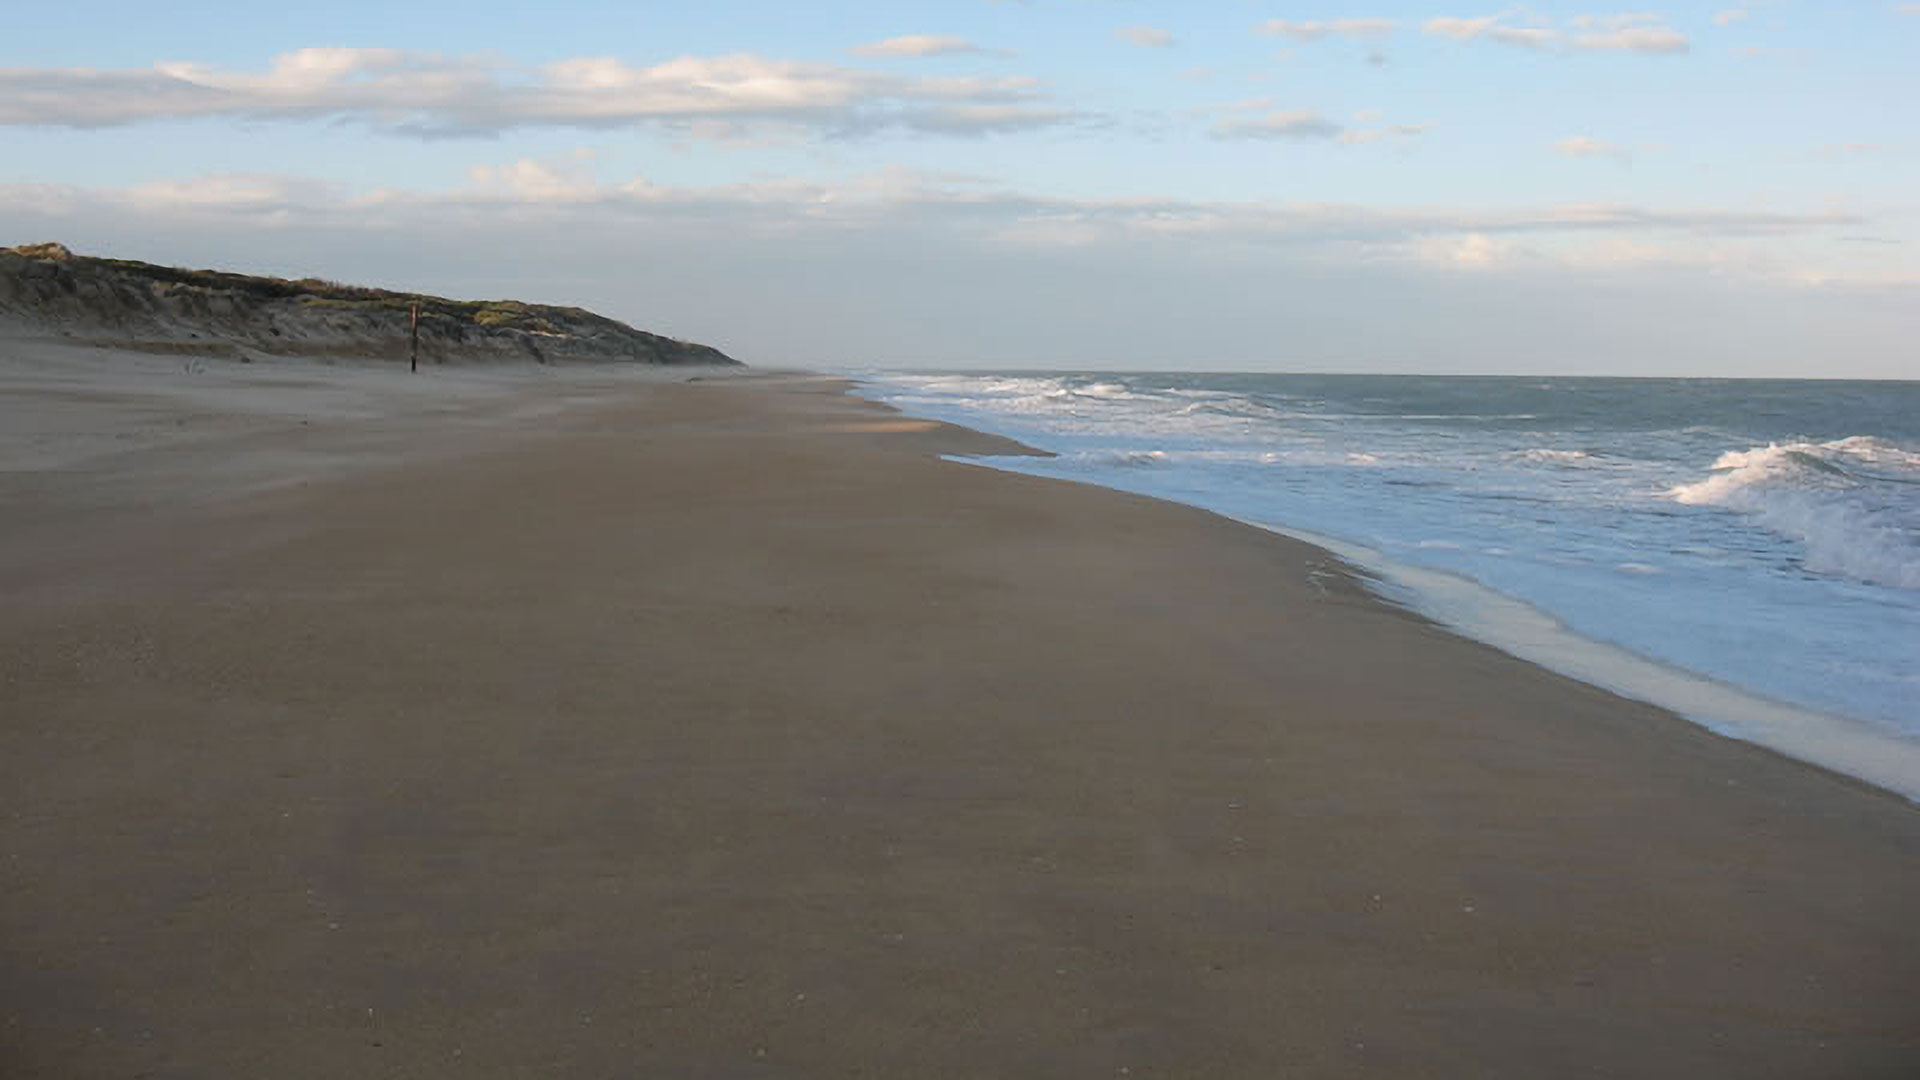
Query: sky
column 1700, row 189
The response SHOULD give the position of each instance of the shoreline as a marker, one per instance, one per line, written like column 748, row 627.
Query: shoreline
column 1857, row 748
column 721, row 726
column 1842, row 745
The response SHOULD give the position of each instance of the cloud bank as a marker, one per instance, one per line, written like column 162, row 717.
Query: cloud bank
column 902, row 266
column 561, row 189
column 428, row 95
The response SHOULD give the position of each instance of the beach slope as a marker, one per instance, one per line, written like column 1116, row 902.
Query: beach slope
column 722, row 728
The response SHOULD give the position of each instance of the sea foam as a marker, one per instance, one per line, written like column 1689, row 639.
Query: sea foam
column 1832, row 497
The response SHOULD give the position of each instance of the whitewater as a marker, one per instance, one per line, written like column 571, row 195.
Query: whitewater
column 1745, row 552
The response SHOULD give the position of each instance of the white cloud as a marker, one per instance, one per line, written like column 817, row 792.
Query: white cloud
column 1457, row 28
column 424, row 94
column 256, row 195
column 1730, row 16
column 1315, row 30
column 551, row 181
column 311, row 69
column 1632, row 32
column 1587, row 146
column 1260, row 118
column 1641, row 39
column 1530, row 37
column 1358, row 136
column 1279, row 124
column 1472, row 250
column 1491, row 28
column 1615, row 21
column 1146, row 37
column 918, row 45
column 984, row 119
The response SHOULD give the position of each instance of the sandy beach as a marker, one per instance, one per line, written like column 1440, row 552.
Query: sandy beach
column 571, row 722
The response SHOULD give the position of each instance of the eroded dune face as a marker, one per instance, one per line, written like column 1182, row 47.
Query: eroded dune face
column 167, row 309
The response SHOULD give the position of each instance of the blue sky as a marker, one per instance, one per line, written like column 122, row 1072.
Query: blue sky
column 1713, row 189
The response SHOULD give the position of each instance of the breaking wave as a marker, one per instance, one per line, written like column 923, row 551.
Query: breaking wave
column 1844, row 500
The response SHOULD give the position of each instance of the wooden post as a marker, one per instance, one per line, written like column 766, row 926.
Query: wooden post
column 413, row 349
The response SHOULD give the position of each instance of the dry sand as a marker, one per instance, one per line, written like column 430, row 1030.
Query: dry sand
column 587, row 726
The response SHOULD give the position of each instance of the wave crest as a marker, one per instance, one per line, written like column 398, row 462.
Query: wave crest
column 1830, row 497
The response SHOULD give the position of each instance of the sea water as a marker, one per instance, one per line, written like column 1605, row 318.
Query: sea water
column 1746, row 552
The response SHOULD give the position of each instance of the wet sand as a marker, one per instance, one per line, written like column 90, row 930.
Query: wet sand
column 720, row 728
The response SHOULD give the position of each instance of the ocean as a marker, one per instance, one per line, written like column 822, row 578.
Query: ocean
column 1745, row 552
